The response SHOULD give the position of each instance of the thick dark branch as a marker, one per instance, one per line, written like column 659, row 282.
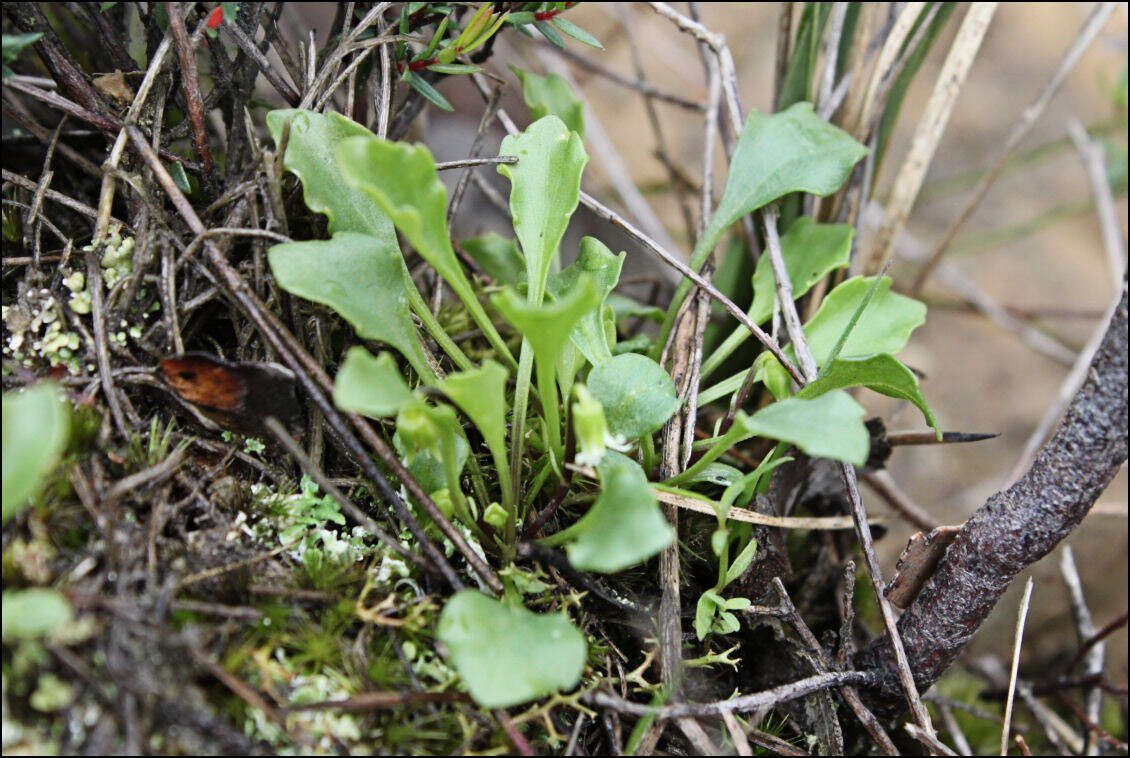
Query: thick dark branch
column 1015, row 528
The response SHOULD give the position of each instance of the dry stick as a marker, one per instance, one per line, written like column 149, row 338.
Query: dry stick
column 885, row 63
column 740, row 704
column 1093, row 155
column 830, row 48
column 317, row 384
column 863, row 532
column 315, row 83
column 248, row 46
column 929, row 740
column 191, row 81
column 1087, row 33
column 1085, row 628
column 929, row 131
column 1018, row 526
column 1021, row 616
column 785, row 292
column 887, row 488
column 961, row 744
column 1067, row 390
column 781, row 61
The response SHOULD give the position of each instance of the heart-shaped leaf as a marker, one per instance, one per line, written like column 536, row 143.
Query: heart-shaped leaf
column 882, row 373
column 507, row 655
column 36, row 426
column 637, row 394
column 545, row 187
column 625, row 526
column 370, row 386
column 596, row 260
column 362, row 278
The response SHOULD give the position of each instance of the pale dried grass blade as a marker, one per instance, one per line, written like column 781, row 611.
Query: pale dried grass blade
column 929, row 131
column 1021, row 616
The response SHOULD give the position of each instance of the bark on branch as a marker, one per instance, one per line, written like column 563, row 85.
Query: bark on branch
column 1014, row 528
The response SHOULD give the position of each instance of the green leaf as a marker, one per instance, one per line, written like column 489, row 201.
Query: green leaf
column 481, row 394
column 551, row 95
column 802, row 60
column 790, row 151
column 704, row 614
column 625, row 307
column 576, row 32
column 545, row 187
column 370, row 386
column 498, row 257
column 13, row 44
column 311, row 154
column 597, row 261
column 402, row 180
column 547, row 327
column 884, row 326
column 362, row 278
column 507, row 655
column 637, row 394
column 36, row 422
column 549, row 33
column 740, row 564
column 828, row 426
column 625, row 526
column 882, row 373
column 455, row 68
column 33, row 613
column 430, row 93
column 810, row 251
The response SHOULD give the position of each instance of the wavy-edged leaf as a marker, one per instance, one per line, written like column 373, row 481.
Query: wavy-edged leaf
column 545, row 187
column 625, row 525
column 481, row 394
column 311, row 154
column 402, row 180
column 546, row 95
column 596, row 260
column 507, row 655
column 637, row 394
column 370, row 386
column 36, row 426
column 881, row 373
column 361, row 277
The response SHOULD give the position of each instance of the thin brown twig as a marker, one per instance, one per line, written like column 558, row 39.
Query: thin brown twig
column 191, row 81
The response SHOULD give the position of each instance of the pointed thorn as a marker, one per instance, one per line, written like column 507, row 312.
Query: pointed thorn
column 929, row 438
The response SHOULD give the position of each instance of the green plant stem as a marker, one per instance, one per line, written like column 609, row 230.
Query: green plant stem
column 467, row 295
column 648, row 447
column 728, row 346
column 518, row 422
column 736, row 434
column 535, row 486
column 421, row 309
column 547, row 392
column 722, row 388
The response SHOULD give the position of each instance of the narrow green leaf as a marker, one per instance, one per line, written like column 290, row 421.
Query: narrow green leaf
column 370, row 386
column 455, row 68
column 800, row 70
column 507, row 655
column 362, row 278
column 882, row 373
column 36, row 424
column 549, row 33
column 576, row 32
column 430, row 93
column 637, row 394
column 625, row 525
column 855, row 316
column 597, row 261
column 551, row 95
column 517, row 18
column 741, row 563
column 13, row 44
column 545, row 187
